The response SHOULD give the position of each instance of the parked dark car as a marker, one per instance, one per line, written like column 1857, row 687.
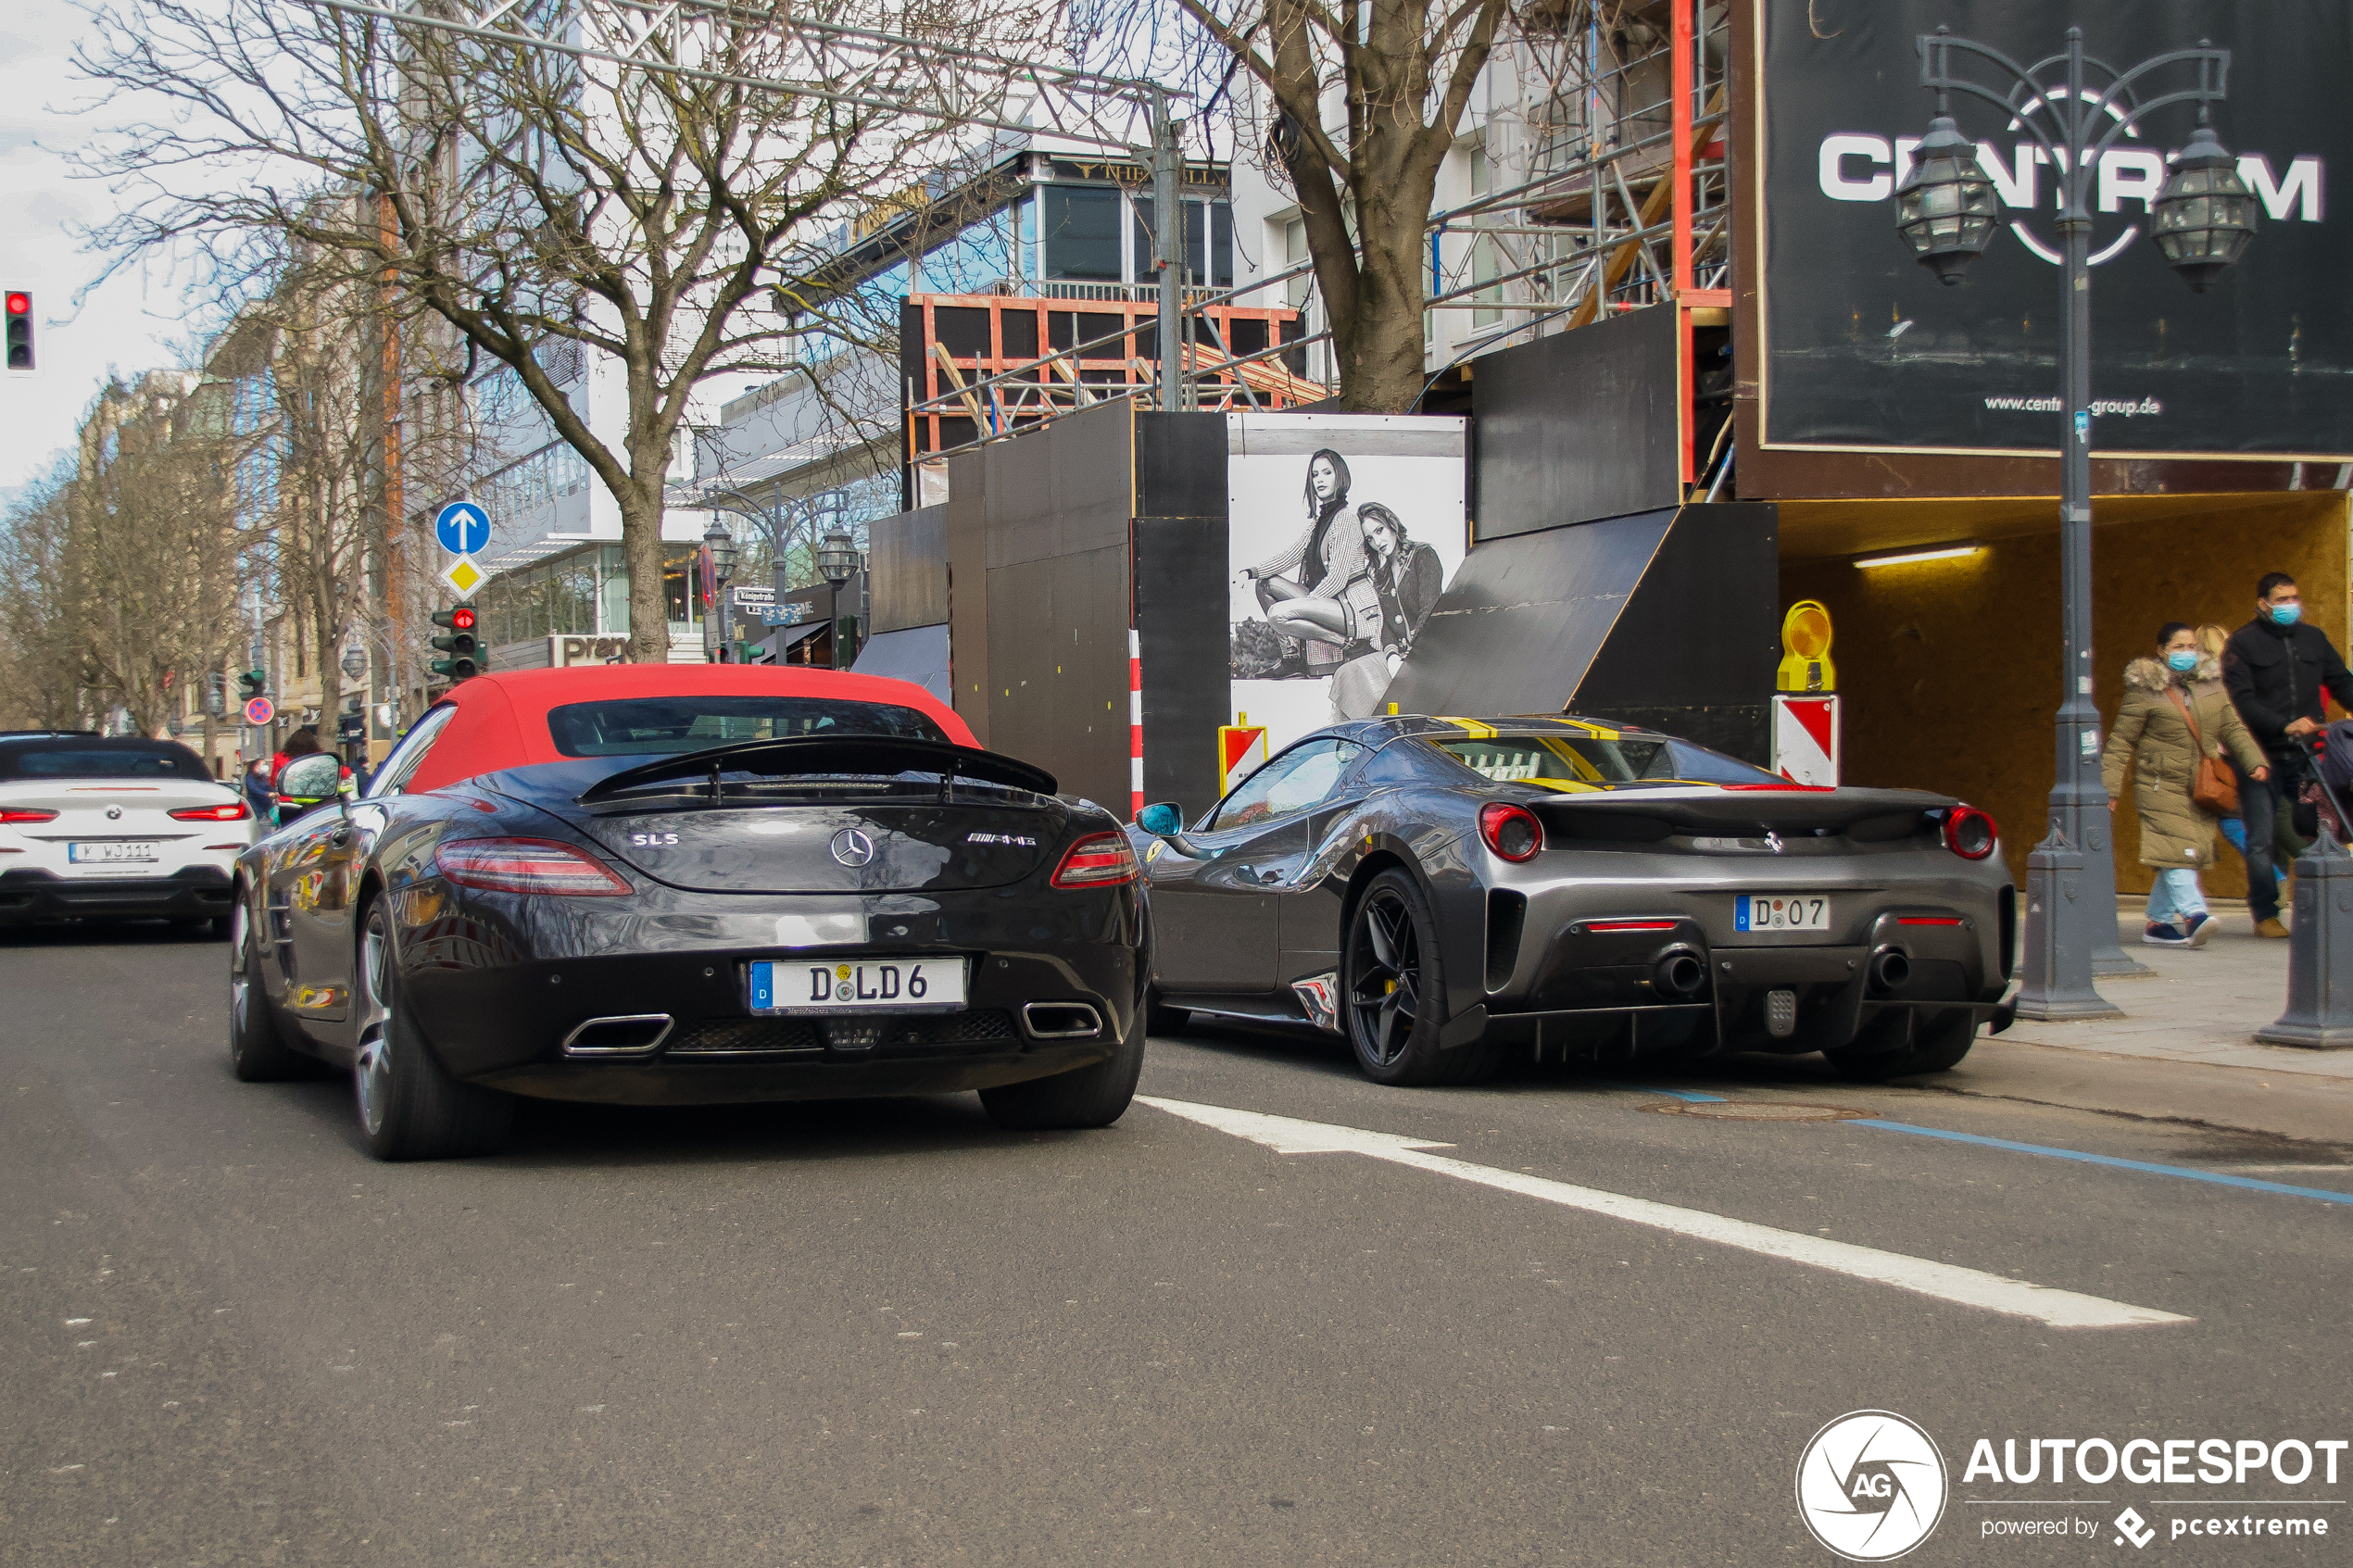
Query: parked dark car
column 1444, row 891
column 688, row 886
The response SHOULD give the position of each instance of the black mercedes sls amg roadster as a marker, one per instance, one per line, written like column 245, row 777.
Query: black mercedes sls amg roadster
column 688, row 886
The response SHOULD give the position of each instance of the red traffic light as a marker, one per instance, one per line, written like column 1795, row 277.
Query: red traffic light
column 20, row 303
column 462, row 618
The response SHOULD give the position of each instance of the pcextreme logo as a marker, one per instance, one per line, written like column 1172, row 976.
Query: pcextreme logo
column 1871, row 1486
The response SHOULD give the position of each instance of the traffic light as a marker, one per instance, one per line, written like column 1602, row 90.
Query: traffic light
column 251, row 683
column 462, row 646
column 20, row 317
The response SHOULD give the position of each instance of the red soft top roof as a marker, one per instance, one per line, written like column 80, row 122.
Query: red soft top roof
column 501, row 720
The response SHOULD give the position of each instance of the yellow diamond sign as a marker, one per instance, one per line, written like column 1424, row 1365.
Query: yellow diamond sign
column 463, row 575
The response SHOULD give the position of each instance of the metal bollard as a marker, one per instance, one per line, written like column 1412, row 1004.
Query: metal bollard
column 2055, row 975
column 2319, row 954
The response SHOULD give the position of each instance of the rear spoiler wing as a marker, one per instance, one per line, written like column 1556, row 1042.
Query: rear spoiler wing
column 829, row 754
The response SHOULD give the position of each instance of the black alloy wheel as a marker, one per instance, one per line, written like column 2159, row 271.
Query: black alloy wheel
column 1392, row 988
column 257, row 1053
column 410, row 1106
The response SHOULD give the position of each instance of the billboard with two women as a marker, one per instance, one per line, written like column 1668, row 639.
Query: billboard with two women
column 1343, row 530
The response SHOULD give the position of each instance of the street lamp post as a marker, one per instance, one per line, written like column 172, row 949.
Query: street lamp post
column 837, row 563
column 2201, row 221
column 720, row 550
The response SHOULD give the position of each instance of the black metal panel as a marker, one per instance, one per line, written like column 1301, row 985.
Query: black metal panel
column 1058, row 631
column 1180, row 465
column 1577, row 426
column 910, row 555
column 1694, row 649
column 1526, row 616
column 1185, row 648
column 1064, row 489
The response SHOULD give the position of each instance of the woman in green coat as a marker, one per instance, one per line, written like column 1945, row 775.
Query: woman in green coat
column 2154, row 736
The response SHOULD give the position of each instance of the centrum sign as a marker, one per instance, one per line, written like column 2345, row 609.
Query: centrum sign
column 1865, row 349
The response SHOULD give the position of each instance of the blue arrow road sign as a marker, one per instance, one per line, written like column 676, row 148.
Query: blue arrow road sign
column 462, row 528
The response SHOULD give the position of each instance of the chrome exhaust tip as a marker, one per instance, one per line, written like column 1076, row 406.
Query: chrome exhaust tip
column 1060, row 1021
column 624, row 1034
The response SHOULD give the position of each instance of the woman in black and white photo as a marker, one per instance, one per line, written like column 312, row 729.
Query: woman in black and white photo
column 1305, row 608
column 1384, row 608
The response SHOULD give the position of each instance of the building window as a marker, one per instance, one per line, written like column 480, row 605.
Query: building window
column 1081, row 225
column 1209, row 243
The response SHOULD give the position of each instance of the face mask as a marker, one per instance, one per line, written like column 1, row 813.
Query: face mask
column 2184, row 662
column 2288, row 615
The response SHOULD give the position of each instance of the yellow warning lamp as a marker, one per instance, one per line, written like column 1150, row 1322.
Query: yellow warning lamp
column 1805, row 639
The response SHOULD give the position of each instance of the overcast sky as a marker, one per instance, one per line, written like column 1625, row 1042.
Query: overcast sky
column 131, row 325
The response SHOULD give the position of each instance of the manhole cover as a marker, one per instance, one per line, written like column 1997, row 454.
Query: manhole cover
column 1757, row 1110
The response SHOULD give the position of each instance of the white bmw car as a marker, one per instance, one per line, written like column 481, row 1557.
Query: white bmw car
column 95, row 827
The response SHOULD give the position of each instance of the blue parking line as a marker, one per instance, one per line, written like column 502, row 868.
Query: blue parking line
column 1670, row 1094
column 2186, row 1171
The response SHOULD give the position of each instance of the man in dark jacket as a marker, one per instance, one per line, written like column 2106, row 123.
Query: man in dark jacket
column 2275, row 668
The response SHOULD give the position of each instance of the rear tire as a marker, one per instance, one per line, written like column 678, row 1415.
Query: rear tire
column 411, row 1108
column 1162, row 1019
column 1936, row 1045
column 1090, row 1096
column 258, row 1052
column 1391, row 983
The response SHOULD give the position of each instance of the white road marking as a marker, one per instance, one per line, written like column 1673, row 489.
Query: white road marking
column 1945, row 1282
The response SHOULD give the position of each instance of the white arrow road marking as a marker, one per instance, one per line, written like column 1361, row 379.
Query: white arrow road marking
column 1947, row 1281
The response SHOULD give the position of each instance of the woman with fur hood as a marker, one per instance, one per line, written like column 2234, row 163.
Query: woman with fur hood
column 2175, row 711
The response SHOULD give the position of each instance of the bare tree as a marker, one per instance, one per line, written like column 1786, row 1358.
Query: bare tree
column 41, row 672
column 1364, row 101
column 666, row 209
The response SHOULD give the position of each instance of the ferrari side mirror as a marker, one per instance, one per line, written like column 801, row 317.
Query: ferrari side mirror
column 1163, row 821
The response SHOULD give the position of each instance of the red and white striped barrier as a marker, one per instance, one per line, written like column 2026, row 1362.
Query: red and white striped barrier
column 1134, row 724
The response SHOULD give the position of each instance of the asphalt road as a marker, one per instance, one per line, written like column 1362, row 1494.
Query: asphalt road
column 888, row 1335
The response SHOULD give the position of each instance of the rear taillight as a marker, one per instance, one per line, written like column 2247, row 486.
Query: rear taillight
column 527, row 865
column 27, row 816
column 227, row 811
column 1100, row 860
column 1512, row 831
column 1969, row 832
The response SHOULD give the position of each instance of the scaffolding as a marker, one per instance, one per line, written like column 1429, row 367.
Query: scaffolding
column 1598, row 187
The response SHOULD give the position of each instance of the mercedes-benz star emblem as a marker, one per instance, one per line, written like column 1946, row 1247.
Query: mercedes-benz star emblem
column 114, row 814
column 852, row 847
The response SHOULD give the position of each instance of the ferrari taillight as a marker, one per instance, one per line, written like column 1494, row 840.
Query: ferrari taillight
column 1100, row 860
column 1969, row 832
column 227, row 811
column 27, row 815
column 1511, row 831
column 527, row 865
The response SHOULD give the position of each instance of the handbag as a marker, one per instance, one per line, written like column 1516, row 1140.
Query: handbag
column 2213, row 788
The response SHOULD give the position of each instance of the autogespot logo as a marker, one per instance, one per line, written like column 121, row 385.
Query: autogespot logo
column 1871, row 1486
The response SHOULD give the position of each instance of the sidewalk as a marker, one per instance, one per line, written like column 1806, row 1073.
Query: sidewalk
column 2185, row 1049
